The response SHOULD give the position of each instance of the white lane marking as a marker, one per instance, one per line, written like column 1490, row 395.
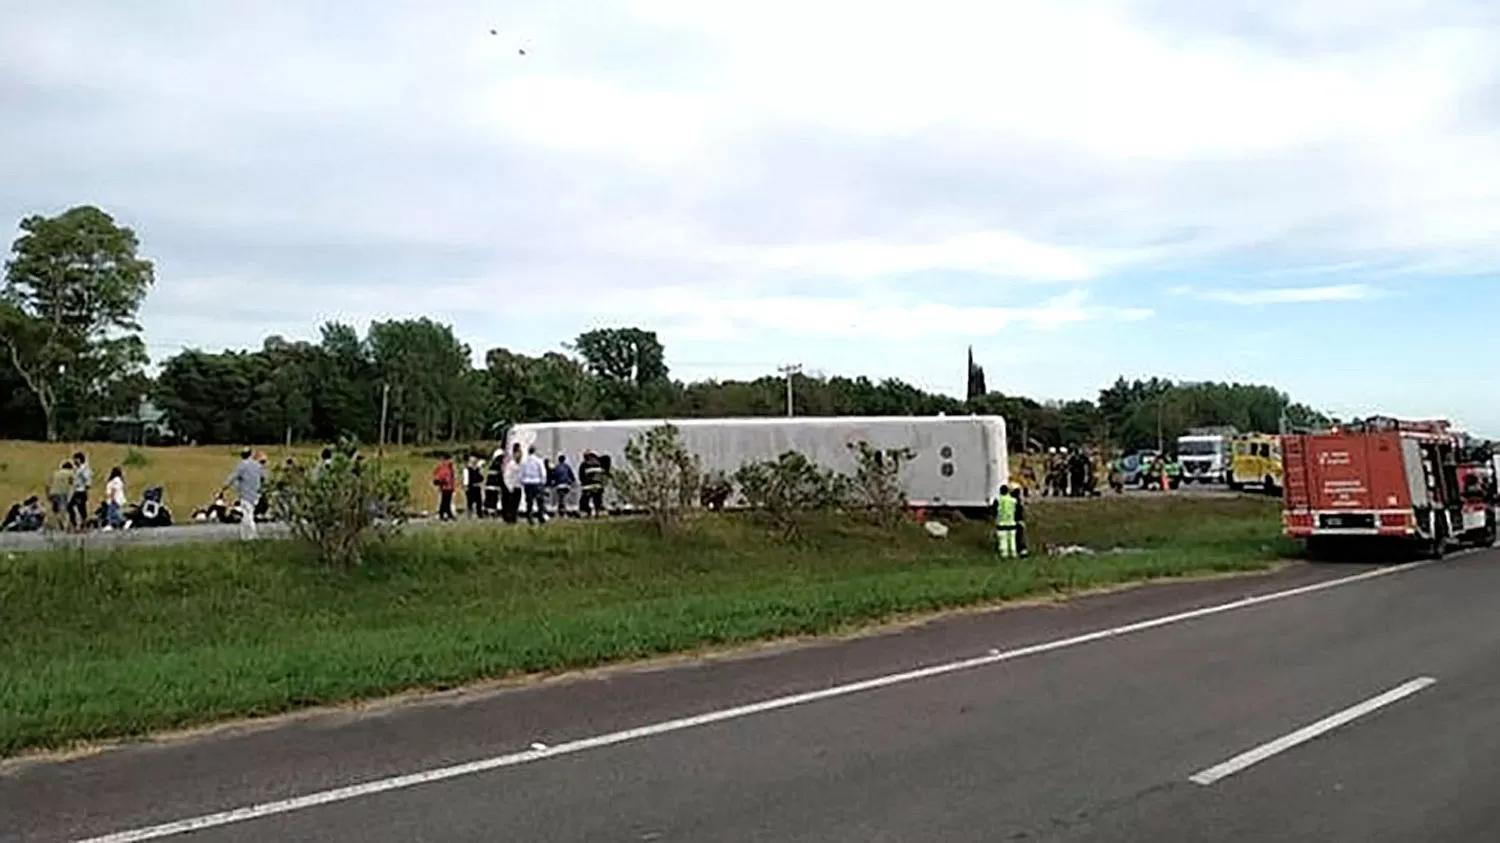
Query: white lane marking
column 370, row 788
column 1307, row 733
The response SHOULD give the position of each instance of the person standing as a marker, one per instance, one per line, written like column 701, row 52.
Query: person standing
column 60, row 491
column 78, row 504
column 494, row 484
column 563, row 481
column 473, row 487
column 591, row 488
column 245, row 481
column 533, row 485
column 1005, row 524
column 511, row 475
column 1020, row 522
column 444, row 477
column 114, row 499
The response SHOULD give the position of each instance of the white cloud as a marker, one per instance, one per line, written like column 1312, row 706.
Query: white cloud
column 697, row 315
column 998, row 253
column 764, row 168
column 1285, row 295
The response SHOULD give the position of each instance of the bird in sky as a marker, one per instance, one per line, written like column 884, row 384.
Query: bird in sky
column 520, row 50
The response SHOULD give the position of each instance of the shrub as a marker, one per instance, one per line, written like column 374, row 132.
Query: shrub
column 135, row 458
column 876, row 486
column 660, row 477
column 788, row 489
column 342, row 506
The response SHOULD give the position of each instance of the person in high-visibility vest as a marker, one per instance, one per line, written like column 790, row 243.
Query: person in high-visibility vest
column 1006, row 524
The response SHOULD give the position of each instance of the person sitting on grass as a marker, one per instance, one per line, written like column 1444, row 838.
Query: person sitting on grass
column 24, row 517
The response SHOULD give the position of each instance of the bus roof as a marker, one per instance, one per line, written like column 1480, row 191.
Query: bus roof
column 810, row 421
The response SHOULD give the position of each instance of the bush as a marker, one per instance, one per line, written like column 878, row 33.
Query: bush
column 135, row 458
column 876, row 485
column 342, row 506
column 660, row 477
column 788, row 489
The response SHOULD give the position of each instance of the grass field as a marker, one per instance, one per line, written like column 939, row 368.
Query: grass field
column 190, row 475
column 120, row 643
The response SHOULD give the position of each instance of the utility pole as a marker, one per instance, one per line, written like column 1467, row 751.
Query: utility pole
column 789, row 370
column 385, row 403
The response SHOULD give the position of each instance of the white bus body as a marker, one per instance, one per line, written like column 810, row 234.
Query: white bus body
column 959, row 462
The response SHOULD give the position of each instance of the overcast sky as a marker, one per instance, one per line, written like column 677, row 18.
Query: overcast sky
column 1303, row 193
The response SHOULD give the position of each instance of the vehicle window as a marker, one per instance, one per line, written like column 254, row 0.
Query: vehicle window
column 1196, row 449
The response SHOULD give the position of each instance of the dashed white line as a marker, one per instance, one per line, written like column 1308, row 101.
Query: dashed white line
column 1307, row 733
column 515, row 759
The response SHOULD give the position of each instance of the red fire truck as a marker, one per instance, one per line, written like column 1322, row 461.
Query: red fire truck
column 1418, row 482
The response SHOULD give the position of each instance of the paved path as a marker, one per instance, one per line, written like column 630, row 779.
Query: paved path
column 205, row 532
column 1366, row 698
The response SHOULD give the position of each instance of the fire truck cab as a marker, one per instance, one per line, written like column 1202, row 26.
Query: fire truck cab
column 1417, row 482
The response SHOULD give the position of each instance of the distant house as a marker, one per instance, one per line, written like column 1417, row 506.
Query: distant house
column 147, row 425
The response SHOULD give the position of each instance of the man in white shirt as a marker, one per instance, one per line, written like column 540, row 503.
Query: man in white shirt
column 533, row 484
column 510, row 477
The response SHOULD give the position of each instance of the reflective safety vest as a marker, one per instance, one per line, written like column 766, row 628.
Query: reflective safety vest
column 1005, row 515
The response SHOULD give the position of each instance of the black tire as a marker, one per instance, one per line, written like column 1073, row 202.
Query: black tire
column 1269, row 485
column 1233, row 486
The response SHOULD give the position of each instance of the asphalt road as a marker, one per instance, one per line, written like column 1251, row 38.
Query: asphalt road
column 1096, row 738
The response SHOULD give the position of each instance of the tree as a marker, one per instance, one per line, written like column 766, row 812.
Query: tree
column 347, row 400
column 630, row 367
column 20, row 416
column 424, row 365
column 73, row 286
column 552, row 387
column 976, row 386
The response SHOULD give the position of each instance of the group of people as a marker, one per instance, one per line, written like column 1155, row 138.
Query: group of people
column 522, row 483
column 1070, row 474
column 68, row 490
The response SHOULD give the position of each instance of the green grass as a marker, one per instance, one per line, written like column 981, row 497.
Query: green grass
column 112, row 644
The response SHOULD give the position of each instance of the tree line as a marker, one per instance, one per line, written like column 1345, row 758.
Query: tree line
column 72, row 353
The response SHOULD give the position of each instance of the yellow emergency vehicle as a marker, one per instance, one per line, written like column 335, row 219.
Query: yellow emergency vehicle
column 1255, row 461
